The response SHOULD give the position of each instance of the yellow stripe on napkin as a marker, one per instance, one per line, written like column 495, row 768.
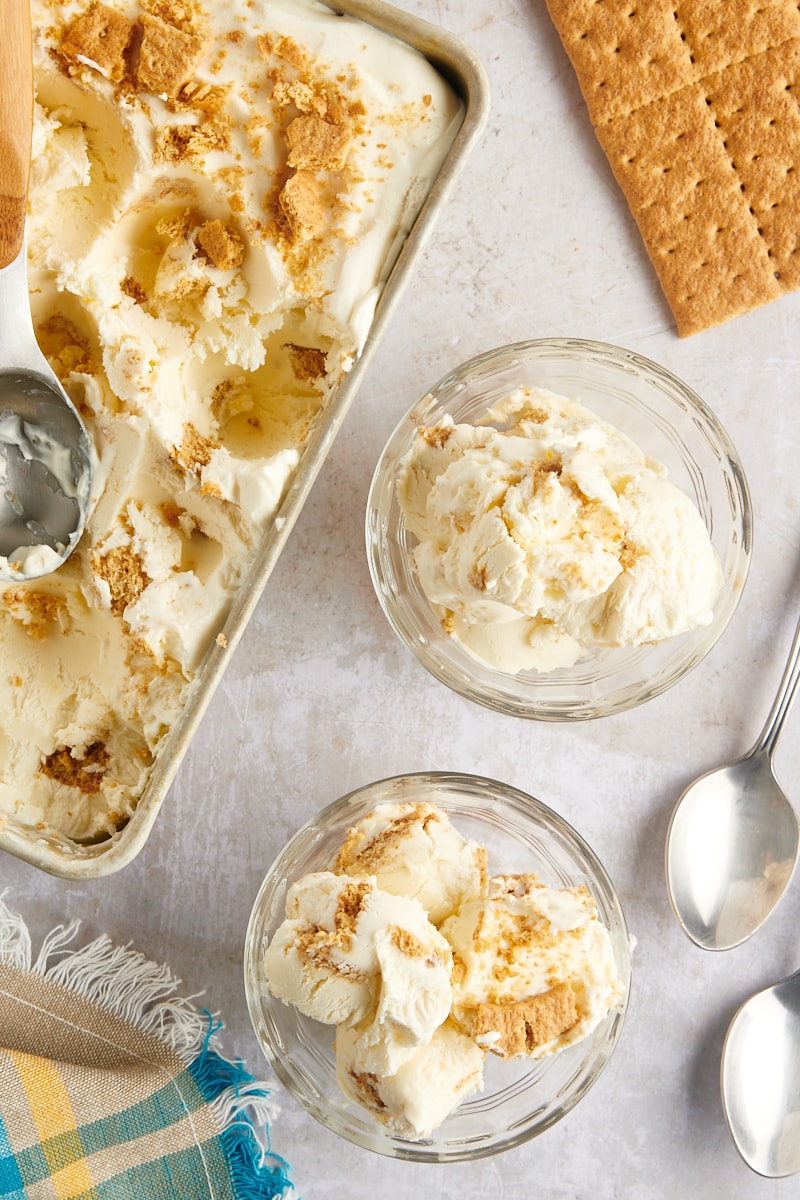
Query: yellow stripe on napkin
column 55, row 1124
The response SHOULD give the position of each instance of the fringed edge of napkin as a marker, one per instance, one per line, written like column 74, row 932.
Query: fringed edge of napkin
column 142, row 992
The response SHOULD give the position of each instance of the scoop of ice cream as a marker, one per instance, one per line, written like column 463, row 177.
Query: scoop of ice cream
column 414, row 850
column 347, row 951
column 543, row 531
column 534, row 968
column 669, row 578
column 421, row 1094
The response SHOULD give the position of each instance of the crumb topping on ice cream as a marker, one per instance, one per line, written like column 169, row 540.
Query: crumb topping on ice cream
column 544, row 533
column 515, row 968
column 218, row 192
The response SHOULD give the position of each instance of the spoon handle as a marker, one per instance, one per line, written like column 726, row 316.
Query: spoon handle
column 16, row 123
column 768, row 738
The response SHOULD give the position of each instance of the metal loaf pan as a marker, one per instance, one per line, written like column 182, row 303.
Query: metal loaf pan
column 462, row 69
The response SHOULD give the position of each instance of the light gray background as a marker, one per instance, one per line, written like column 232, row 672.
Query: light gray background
column 320, row 697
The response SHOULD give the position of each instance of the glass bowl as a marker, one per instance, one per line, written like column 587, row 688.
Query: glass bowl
column 520, row 1098
column 669, row 422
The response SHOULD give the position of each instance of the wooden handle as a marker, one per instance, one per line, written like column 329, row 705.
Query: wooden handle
column 16, row 123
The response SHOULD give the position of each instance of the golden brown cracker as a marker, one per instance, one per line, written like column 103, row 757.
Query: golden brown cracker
column 100, row 36
column 757, row 107
column 316, row 145
column 168, row 56
column 123, row 571
column 524, row 1025
column 686, row 197
column 301, row 204
column 696, row 107
column 624, row 54
column 307, row 362
column 221, row 244
column 724, row 32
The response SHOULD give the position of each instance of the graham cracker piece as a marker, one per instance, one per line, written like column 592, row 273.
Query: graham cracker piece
column 82, row 772
column 301, row 203
column 221, row 244
column 122, row 570
column 624, row 54
column 686, row 197
column 168, row 56
column 206, row 98
column 195, row 450
column 524, row 1025
column 301, row 94
column 99, row 37
column 695, row 106
column 756, row 106
column 722, row 33
column 316, row 145
column 38, row 613
column 308, row 362
column 191, row 142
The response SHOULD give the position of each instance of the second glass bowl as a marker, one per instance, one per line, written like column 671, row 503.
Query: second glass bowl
column 521, row 1098
column 669, row 422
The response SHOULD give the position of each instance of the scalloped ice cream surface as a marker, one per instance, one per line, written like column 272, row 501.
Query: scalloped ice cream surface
column 425, row 964
column 543, row 533
column 218, row 193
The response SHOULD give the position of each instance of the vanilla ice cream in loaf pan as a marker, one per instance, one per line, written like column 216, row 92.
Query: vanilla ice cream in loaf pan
column 225, row 202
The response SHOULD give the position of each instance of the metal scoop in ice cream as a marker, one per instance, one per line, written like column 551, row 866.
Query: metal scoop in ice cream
column 46, row 457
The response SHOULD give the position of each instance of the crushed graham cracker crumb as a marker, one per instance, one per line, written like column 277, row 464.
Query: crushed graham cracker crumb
column 301, row 204
column 350, row 905
column 436, row 436
column 207, row 98
column 413, row 947
column 187, row 143
column 195, row 450
column 176, row 228
column 130, row 287
column 301, row 94
column 67, row 349
column 124, row 573
column 308, row 362
column 172, row 513
column 366, row 1086
column 37, row 612
column 84, row 773
column 211, row 489
column 285, row 48
column 187, row 15
column 221, row 244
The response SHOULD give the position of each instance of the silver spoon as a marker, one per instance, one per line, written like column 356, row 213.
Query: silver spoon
column 46, row 457
column 733, row 839
column 760, row 1079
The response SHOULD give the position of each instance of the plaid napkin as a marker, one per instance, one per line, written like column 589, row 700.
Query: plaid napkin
column 111, row 1087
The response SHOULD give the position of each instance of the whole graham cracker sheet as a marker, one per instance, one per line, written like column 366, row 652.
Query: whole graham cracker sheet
column 697, row 108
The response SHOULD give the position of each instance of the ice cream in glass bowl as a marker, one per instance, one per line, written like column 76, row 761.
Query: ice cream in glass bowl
column 437, row 967
column 560, row 529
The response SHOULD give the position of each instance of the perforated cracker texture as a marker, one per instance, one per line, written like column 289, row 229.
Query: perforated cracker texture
column 697, row 108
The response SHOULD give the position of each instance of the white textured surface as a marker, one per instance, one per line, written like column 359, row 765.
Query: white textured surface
column 320, row 697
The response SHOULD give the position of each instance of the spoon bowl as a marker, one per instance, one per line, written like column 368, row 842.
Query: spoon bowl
column 733, row 844
column 760, row 1079
column 46, row 456
column 733, row 840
